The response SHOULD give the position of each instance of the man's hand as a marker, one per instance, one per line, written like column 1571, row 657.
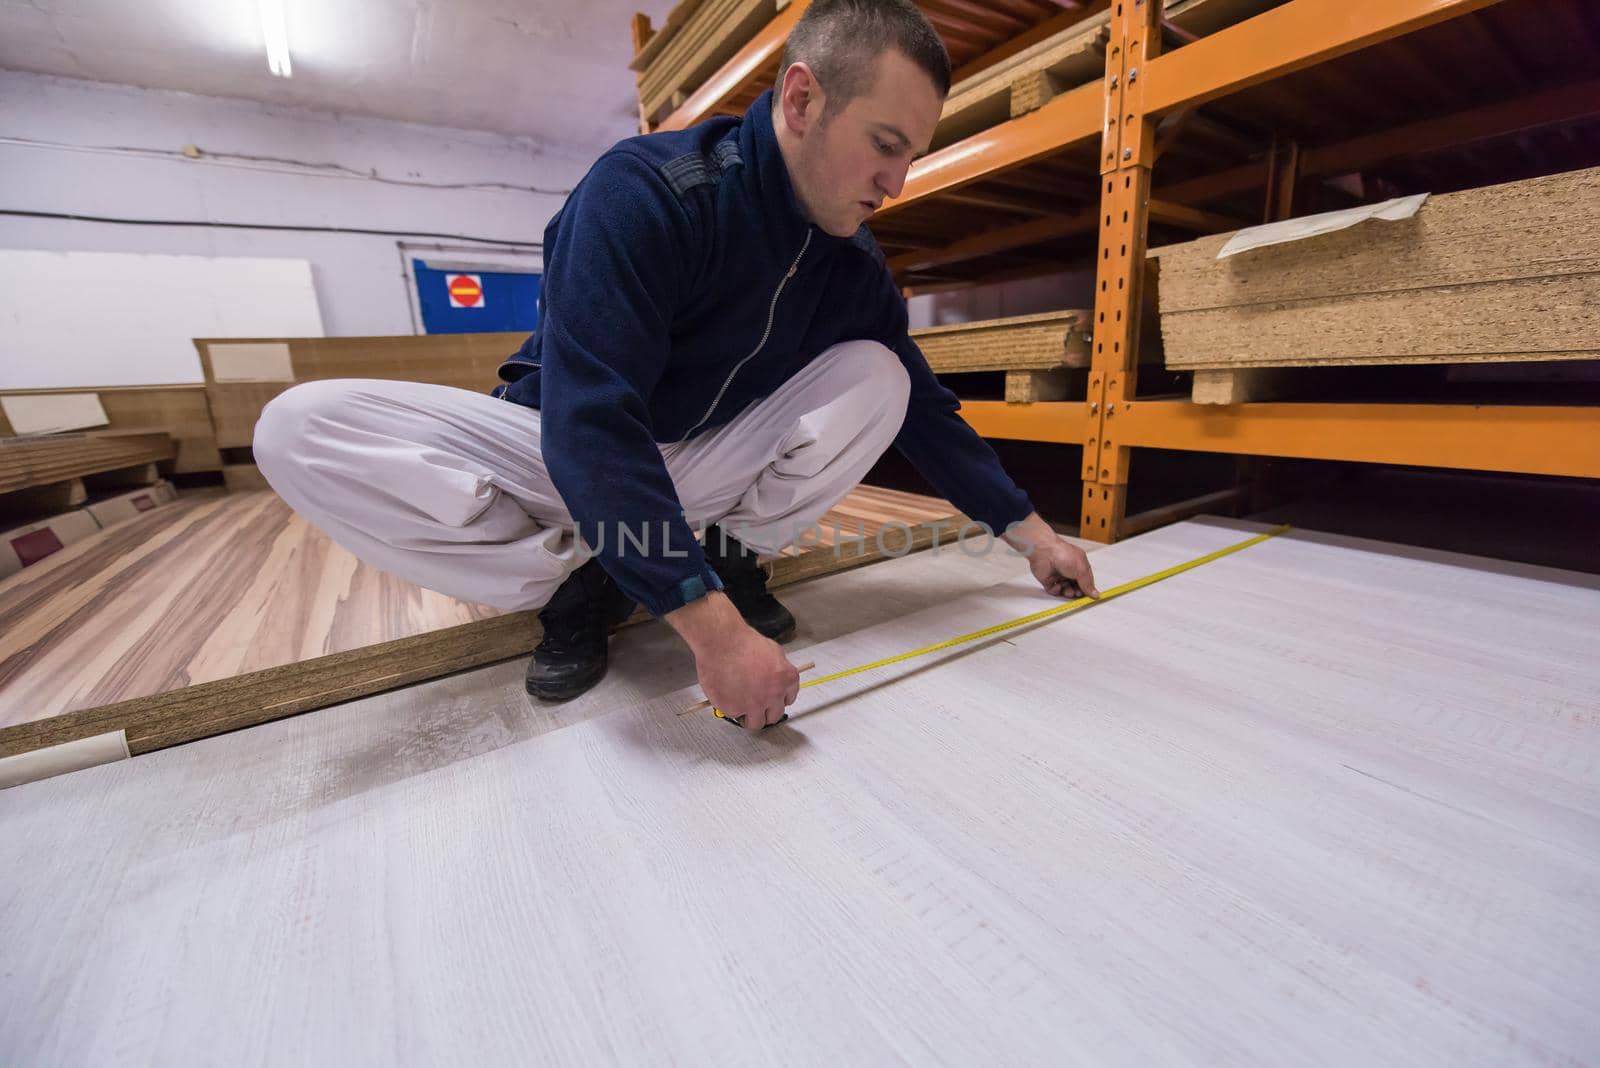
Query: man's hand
column 1061, row 567
column 742, row 673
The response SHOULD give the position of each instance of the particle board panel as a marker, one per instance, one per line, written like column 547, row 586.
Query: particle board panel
column 1325, row 799
column 1516, row 231
column 1072, row 57
column 1019, row 343
column 223, row 610
column 1532, row 320
column 1504, row 273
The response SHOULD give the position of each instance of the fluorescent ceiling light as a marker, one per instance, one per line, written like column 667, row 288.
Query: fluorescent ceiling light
column 276, row 36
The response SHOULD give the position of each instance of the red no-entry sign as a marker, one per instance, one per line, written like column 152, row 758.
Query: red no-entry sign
column 466, row 290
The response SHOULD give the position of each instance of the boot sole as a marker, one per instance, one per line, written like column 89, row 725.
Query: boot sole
column 555, row 692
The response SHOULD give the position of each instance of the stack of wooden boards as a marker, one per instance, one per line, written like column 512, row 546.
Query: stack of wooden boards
column 1499, row 274
column 698, row 37
column 54, row 458
column 1034, row 351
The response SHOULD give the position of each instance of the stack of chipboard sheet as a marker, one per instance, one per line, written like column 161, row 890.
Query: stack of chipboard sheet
column 1503, row 273
column 1033, row 350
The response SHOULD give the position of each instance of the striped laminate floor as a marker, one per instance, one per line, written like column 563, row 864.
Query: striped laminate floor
column 235, row 606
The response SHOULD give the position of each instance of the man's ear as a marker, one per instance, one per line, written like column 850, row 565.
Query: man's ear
column 800, row 98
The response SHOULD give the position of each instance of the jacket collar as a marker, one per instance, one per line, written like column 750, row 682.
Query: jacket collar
column 770, row 174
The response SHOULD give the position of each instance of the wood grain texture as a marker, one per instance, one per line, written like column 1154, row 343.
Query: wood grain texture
column 40, row 461
column 179, row 411
column 224, row 610
column 1322, row 802
column 466, row 361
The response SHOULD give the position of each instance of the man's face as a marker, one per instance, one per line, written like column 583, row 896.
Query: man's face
column 847, row 164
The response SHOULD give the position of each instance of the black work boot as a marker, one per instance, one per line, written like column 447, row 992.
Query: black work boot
column 745, row 583
column 577, row 625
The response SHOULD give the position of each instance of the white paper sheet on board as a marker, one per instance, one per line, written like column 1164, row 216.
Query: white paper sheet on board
column 52, row 413
column 1280, row 233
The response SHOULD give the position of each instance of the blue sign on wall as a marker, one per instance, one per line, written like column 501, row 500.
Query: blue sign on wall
column 476, row 302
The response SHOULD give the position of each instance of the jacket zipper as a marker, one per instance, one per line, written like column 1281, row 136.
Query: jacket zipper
column 772, row 311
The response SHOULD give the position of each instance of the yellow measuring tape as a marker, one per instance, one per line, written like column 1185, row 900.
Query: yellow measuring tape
column 1048, row 613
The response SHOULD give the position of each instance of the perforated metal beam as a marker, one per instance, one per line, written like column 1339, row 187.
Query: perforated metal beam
column 1126, row 155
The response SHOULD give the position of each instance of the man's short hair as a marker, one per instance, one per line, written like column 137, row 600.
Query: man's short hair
column 841, row 40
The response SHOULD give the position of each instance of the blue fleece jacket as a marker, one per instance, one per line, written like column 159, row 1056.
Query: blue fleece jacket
column 682, row 283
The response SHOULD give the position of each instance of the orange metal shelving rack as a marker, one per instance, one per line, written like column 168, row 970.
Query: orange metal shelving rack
column 1141, row 87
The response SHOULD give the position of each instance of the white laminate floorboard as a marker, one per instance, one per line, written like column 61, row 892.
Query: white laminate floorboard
column 1321, row 802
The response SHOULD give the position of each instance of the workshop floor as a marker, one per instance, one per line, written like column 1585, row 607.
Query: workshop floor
column 1322, row 801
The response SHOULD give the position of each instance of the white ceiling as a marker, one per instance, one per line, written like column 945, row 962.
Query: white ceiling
column 555, row 70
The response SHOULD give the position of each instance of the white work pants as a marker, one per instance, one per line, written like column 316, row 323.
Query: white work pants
column 447, row 488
